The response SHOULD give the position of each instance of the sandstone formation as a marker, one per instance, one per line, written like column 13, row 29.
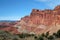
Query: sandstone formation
column 9, row 26
column 40, row 21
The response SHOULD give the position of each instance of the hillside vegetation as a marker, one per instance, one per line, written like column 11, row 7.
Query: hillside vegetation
column 5, row 35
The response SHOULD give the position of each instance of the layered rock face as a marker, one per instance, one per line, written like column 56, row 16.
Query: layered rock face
column 40, row 21
column 9, row 26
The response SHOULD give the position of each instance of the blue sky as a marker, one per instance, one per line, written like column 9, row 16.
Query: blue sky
column 16, row 9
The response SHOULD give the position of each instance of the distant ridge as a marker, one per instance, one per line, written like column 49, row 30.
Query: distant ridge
column 8, row 20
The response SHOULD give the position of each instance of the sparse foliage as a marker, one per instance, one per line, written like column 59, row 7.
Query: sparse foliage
column 50, row 37
column 40, row 38
column 5, row 35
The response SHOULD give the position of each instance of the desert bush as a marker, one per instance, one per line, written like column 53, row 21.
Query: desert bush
column 50, row 37
column 43, row 34
column 40, row 38
column 58, row 33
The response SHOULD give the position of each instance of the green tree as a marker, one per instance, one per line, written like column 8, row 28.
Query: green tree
column 47, row 34
column 55, row 35
column 43, row 34
column 50, row 37
column 58, row 33
column 21, row 35
column 40, row 38
column 35, row 37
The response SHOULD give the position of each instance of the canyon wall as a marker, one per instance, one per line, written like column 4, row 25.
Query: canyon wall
column 40, row 21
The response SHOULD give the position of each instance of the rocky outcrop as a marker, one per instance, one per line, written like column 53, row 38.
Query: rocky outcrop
column 40, row 21
column 9, row 26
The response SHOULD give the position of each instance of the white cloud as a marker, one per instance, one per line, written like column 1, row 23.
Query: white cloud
column 50, row 3
column 42, row 0
column 54, row 3
column 9, row 18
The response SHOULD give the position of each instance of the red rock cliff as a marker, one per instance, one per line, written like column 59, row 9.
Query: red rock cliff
column 40, row 21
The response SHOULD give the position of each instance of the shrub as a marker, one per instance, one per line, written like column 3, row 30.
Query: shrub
column 47, row 34
column 58, row 33
column 43, row 34
column 40, row 38
column 50, row 37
